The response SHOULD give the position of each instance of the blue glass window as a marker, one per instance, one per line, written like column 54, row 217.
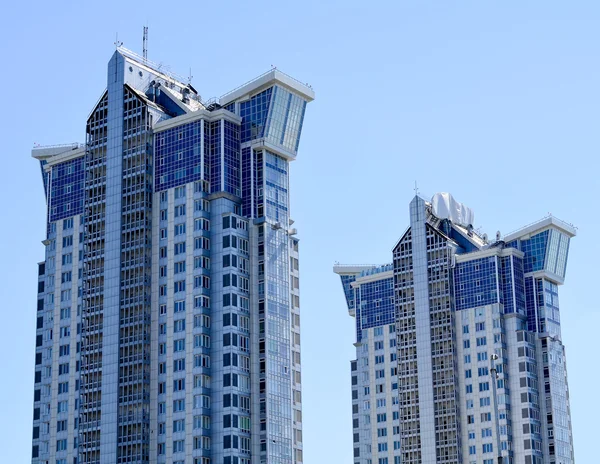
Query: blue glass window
column 475, row 283
column 177, row 156
column 67, row 189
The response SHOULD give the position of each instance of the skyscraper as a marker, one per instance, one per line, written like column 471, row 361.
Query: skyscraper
column 168, row 324
column 459, row 357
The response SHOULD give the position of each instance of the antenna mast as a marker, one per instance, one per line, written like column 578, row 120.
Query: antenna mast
column 145, row 43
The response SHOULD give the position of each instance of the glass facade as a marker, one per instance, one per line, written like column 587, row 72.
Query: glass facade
column 535, row 251
column 178, row 156
column 66, row 189
column 284, row 123
column 475, row 283
column 376, row 304
column 254, row 115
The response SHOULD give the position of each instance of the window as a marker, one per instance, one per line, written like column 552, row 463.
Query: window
column 65, row 295
column 180, row 192
column 179, row 365
column 201, row 224
column 201, row 205
column 178, row 446
column 179, row 425
column 178, row 385
column 178, row 405
column 179, row 325
column 201, row 262
column 179, row 345
column 201, row 281
column 179, row 248
column 179, row 286
column 179, row 306
column 201, row 243
column 179, row 229
column 179, row 210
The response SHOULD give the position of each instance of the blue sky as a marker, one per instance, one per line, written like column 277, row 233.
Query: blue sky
column 496, row 102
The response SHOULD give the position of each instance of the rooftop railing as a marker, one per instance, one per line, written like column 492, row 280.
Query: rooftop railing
column 565, row 224
column 73, row 145
column 260, row 77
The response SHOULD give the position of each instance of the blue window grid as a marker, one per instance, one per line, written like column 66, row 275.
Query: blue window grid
column 67, row 189
column 254, row 115
column 506, row 285
column 246, row 181
column 276, row 187
column 530, row 304
column 467, row 275
column 284, row 123
column 177, row 156
column 348, row 291
column 214, row 154
column 374, row 305
column 519, row 283
column 232, row 158
column 535, row 251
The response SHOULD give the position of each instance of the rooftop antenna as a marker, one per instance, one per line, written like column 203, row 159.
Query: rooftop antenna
column 145, row 44
column 190, row 77
column 117, row 42
column 416, row 188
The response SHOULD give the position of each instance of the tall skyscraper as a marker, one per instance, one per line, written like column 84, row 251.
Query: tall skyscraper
column 459, row 357
column 168, row 326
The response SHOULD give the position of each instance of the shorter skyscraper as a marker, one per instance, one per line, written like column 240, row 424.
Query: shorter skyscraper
column 459, row 357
